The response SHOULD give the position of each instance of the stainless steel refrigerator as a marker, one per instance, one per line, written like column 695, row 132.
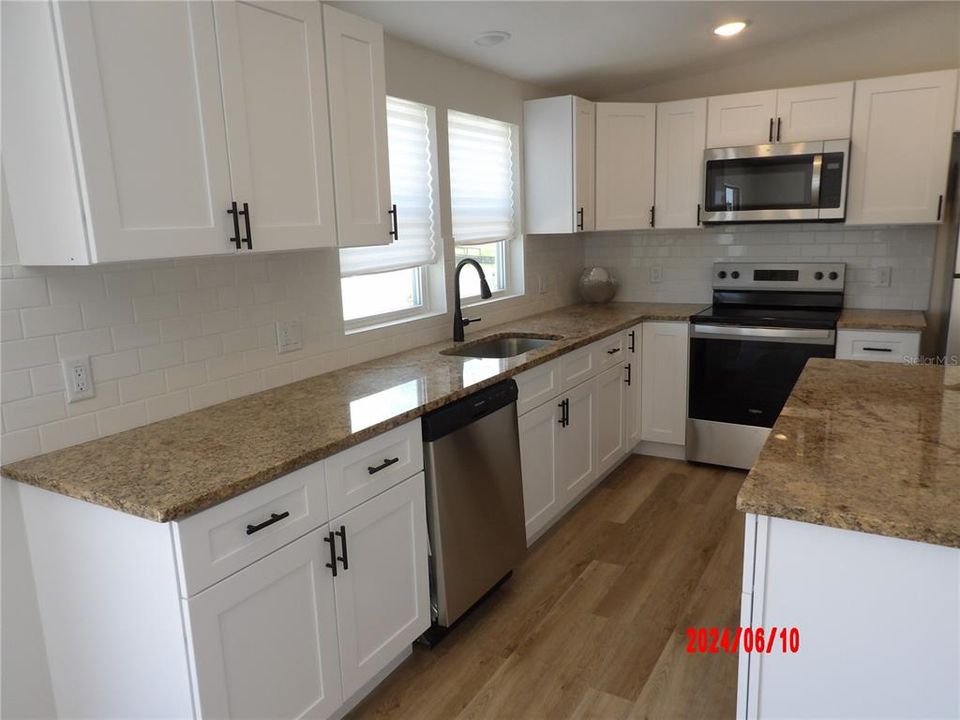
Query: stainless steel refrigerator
column 942, row 339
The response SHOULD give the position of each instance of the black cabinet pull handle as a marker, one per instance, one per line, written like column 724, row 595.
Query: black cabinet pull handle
column 770, row 134
column 779, row 121
column 274, row 517
column 342, row 532
column 580, row 219
column 614, row 351
column 395, row 233
column 246, row 220
column 653, row 216
column 879, row 349
column 564, row 412
column 387, row 462
column 236, row 224
column 939, row 208
column 633, row 341
column 329, row 539
column 698, row 213
column 629, row 368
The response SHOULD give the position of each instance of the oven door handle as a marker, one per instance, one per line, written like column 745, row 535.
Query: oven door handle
column 809, row 336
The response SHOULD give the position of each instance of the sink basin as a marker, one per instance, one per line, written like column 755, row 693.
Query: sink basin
column 505, row 346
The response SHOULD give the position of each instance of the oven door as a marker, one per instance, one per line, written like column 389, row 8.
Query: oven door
column 743, row 375
column 774, row 182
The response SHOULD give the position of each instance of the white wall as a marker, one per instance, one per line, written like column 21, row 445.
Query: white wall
column 687, row 258
column 172, row 336
column 924, row 36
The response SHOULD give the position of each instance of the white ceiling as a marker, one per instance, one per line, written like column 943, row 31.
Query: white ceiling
column 598, row 49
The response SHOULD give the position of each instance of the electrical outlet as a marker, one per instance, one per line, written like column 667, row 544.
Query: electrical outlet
column 543, row 285
column 289, row 336
column 883, row 276
column 656, row 273
column 77, row 378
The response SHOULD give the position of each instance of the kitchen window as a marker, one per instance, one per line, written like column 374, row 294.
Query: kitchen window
column 483, row 194
column 381, row 284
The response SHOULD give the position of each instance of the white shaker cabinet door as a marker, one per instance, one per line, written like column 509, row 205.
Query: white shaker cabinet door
column 542, row 493
column 900, row 148
column 664, row 382
column 148, row 119
column 584, row 164
column 611, row 432
column 626, row 149
column 681, row 140
column 741, row 119
column 358, row 124
column 382, row 586
column 577, row 450
column 264, row 640
column 275, row 96
column 631, row 406
column 814, row 112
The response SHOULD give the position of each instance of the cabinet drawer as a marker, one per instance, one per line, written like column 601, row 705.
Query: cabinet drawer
column 537, row 385
column 896, row 347
column 610, row 351
column 360, row 473
column 577, row 366
column 219, row 541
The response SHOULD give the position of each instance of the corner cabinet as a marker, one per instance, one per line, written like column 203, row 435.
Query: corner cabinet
column 664, row 380
column 162, row 130
column 900, row 148
column 626, row 150
column 260, row 606
column 681, row 140
column 559, row 136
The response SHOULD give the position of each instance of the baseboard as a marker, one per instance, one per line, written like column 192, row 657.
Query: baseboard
column 371, row 685
column 664, row 450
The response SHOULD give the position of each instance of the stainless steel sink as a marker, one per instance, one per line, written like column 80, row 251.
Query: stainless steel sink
column 505, row 346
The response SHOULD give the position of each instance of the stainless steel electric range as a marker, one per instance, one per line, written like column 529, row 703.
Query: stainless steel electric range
column 748, row 349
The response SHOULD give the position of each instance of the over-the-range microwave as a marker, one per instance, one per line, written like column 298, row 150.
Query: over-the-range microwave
column 778, row 182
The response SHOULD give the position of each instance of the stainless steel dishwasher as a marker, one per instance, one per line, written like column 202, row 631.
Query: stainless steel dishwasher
column 474, row 500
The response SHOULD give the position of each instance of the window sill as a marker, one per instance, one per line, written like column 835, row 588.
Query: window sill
column 355, row 327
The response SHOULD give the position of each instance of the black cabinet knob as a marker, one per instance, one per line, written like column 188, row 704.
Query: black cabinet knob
column 735, row 274
column 833, row 276
column 722, row 274
column 818, row 275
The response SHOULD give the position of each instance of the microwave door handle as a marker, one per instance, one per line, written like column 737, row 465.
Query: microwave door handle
column 815, row 181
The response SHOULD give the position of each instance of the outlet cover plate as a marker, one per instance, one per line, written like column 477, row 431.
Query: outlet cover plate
column 289, row 336
column 656, row 273
column 78, row 378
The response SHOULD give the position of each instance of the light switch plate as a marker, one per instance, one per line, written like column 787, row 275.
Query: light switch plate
column 289, row 336
column 77, row 378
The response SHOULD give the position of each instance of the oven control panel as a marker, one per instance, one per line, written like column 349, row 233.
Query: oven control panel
column 823, row 277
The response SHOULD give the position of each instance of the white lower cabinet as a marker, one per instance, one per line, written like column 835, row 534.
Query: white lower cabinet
column 664, row 382
column 264, row 641
column 382, row 586
column 633, row 343
column 542, row 494
column 878, row 345
column 611, row 432
column 577, row 462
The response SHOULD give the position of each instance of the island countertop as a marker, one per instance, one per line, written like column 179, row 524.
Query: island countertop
column 173, row 468
column 866, row 446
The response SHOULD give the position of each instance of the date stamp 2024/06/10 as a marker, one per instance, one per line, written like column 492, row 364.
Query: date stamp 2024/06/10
column 747, row 639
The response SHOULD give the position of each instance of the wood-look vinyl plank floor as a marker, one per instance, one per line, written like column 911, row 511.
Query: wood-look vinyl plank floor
column 592, row 625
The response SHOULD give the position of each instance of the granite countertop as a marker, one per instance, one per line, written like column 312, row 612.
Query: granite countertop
column 863, row 319
column 865, row 446
column 173, row 468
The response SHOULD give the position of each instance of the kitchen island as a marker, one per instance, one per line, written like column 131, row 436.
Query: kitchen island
column 853, row 538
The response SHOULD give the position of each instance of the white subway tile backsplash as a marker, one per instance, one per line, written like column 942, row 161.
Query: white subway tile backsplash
column 50, row 320
column 87, row 342
column 47, row 379
column 106, row 313
column 155, row 307
column 135, row 335
column 115, row 365
column 15, row 385
column 23, row 292
column 123, row 417
column 157, row 357
column 17, row 354
column 63, row 433
column 209, row 394
column 33, row 411
column 202, row 348
column 107, row 395
column 181, row 327
column 21, row 444
column 166, row 406
column 142, row 386
column 10, row 328
column 83, row 286
column 185, row 376
column 220, row 321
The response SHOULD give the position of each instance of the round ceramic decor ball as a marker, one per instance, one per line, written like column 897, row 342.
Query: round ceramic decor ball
column 597, row 285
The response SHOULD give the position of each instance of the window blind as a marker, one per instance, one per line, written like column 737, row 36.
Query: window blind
column 481, row 179
column 412, row 189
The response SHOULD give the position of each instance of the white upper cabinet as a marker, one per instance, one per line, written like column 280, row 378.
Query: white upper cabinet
column 559, row 164
column 816, row 112
column 120, row 147
column 626, row 149
column 358, row 123
column 275, row 95
column 681, row 140
column 956, row 121
column 900, row 148
column 742, row 119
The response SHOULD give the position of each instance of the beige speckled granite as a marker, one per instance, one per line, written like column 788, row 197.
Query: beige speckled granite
column 863, row 319
column 170, row 469
column 865, row 446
